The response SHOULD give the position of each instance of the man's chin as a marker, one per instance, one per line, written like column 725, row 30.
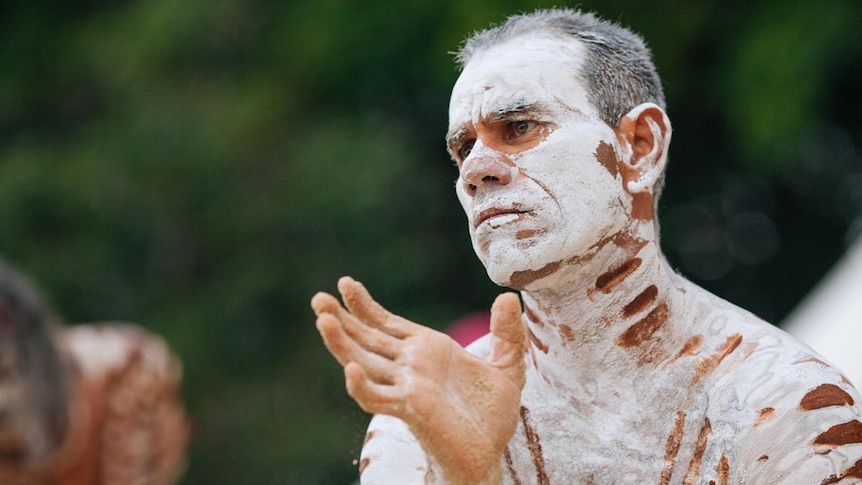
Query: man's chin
column 520, row 278
column 515, row 265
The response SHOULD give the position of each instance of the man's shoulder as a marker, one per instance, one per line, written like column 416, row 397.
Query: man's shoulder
column 754, row 361
column 772, row 370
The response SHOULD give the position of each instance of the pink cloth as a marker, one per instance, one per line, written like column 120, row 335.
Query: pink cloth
column 470, row 327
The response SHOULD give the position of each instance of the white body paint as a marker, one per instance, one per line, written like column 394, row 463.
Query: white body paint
column 634, row 374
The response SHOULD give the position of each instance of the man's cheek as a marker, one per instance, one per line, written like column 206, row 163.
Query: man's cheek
column 463, row 198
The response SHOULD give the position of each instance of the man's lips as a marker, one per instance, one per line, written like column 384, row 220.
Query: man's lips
column 494, row 212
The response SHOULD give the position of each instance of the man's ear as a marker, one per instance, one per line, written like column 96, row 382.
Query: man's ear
column 644, row 137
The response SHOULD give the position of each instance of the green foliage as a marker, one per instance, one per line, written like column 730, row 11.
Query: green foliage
column 203, row 167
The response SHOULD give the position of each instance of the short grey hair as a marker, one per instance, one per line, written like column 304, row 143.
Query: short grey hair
column 618, row 72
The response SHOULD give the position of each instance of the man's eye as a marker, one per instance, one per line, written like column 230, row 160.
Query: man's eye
column 520, row 128
column 465, row 149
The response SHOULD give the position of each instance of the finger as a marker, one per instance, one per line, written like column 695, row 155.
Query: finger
column 372, row 397
column 360, row 303
column 346, row 350
column 324, row 303
column 508, row 337
column 368, row 337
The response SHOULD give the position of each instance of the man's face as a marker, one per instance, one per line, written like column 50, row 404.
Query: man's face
column 537, row 167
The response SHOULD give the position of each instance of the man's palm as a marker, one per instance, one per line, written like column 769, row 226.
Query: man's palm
column 423, row 377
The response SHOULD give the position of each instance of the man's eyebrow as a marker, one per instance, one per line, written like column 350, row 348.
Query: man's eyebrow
column 515, row 110
column 455, row 136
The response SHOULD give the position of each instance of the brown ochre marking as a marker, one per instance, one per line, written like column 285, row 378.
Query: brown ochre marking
column 824, row 396
column 608, row 281
column 643, row 300
column 690, row 346
column 841, row 434
column 567, row 333
column 642, row 206
column 526, row 233
column 511, row 467
column 644, row 329
column 520, row 279
column 538, row 343
column 688, row 349
column 535, row 448
column 763, row 458
column 693, row 473
column 363, row 464
column 630, row 243
column 365, row 461
column 706, row 366
column 722, row 470
column 606, row 155
column 622, row 239
column 854, row 471
column 532, row 316
column 765, row 415
column 671, row 449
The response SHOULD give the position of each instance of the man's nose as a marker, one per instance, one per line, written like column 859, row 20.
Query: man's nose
column 485, row 168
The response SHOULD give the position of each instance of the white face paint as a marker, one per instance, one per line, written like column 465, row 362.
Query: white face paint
column 549, row 197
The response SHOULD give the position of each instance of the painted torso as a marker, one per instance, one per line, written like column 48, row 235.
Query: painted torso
column 738, row 402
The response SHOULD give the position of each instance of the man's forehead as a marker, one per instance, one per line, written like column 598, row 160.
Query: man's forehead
column 529, row 70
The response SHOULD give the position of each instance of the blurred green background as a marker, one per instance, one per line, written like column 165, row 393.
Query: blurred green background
column 203, row 167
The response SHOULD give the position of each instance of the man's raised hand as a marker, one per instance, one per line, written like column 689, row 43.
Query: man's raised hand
column 461, row 408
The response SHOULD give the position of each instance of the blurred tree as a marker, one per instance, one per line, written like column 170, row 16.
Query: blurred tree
column 203, row 167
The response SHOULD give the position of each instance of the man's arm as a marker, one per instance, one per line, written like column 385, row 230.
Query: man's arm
column 462, row 409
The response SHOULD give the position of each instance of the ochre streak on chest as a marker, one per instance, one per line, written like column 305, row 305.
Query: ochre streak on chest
column 722, row 471
column 538, row 343
column 672, row 448
column 699, row 449
column 535, row 447
column 824, row 396
column 532, row 316
column 511, row 467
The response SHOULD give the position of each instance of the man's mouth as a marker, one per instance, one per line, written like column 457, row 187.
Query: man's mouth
column 495, row 213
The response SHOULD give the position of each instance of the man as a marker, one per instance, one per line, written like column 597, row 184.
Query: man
column 84, row 404
column 618, row 370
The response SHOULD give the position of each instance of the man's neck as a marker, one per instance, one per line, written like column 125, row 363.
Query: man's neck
column 617, row 307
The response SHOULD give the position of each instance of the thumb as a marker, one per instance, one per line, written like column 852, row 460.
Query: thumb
column 508, row 337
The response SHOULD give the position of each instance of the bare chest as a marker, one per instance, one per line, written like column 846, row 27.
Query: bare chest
column 616, row 437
